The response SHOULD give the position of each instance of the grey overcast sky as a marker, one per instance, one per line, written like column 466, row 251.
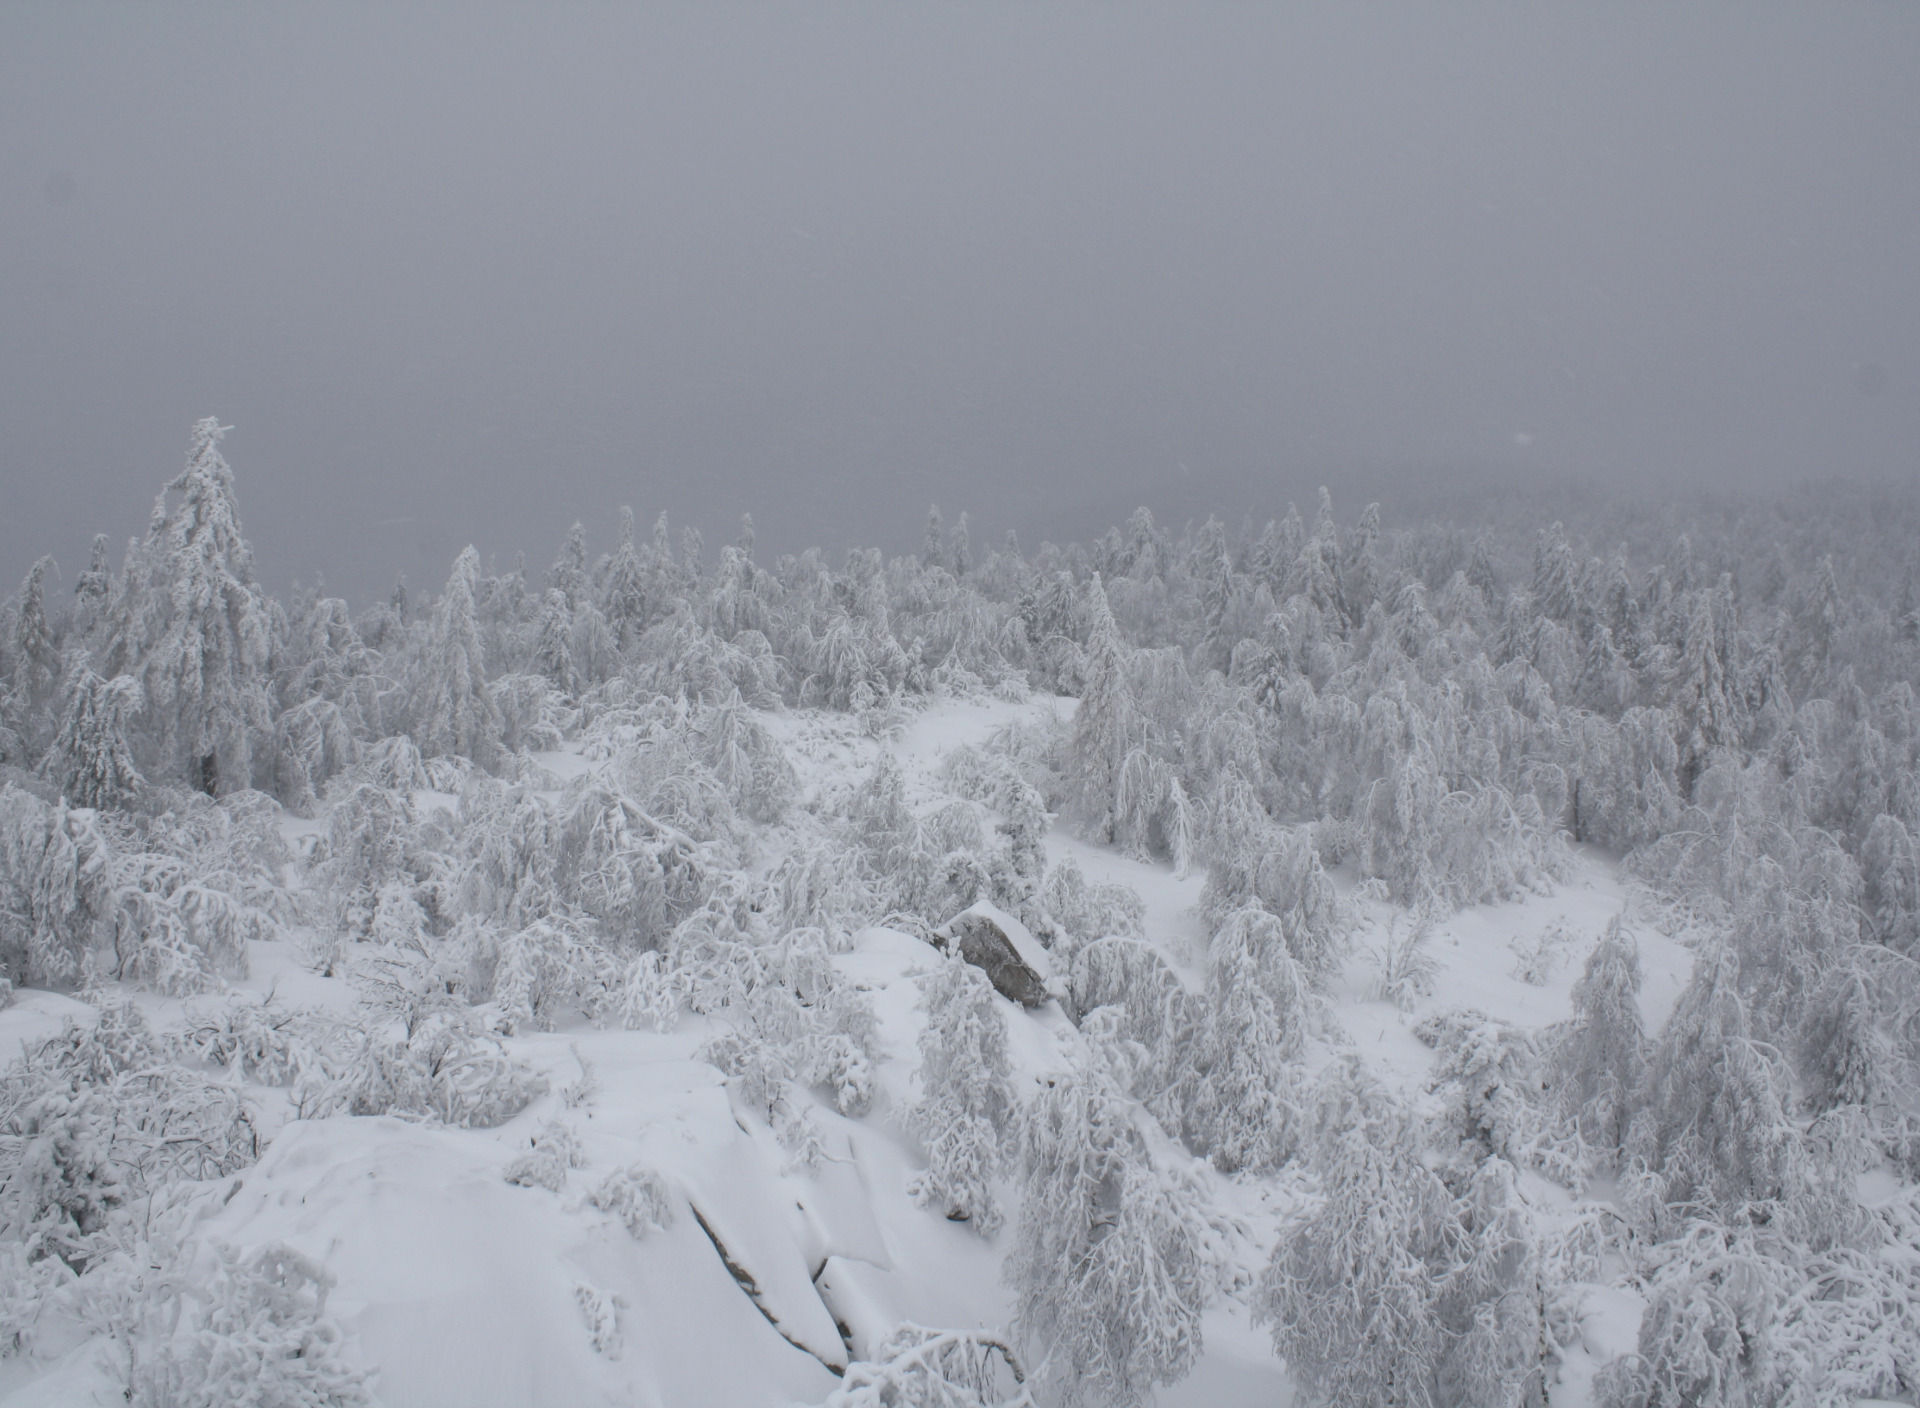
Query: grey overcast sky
column 469, row 272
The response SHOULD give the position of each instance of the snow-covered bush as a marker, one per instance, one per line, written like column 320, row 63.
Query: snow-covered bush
column 224, row 1327
column 442, row 1069
column 261, row 1040
column 549, row 969
column 1404, row 965
column 96, row 1119
column 185, row 937
column 544, row 1163
column 1537, row 957
column 650, row 994
column 1083, row 911
column 639, row 1197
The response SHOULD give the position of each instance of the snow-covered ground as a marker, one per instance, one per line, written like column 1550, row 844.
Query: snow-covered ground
column 467, row 1291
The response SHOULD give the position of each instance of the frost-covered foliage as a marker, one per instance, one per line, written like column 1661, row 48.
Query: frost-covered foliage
column 56, row 888
column 1353, row 1290
column 1119, row 1248
column 1598, row 1063
column 1436, row 713
column 1243, row 1107
column 639, row 1197
column 97, row 1120
column 915, row 1367
column 965, row 1115
column 215, row 1326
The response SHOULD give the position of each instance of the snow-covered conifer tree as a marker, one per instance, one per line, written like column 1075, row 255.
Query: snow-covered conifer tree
column 196, row 630
column 1107, row 724
column 91, row 761
column 623, row 592
column 453, row 710
column 1243, row 1108
column 933, row 543
column 1703, row 705
column 569, row 571
column 92, row 591
column 1597, row 1066
column 1556, row 577
column 553, row 641
column 965, row 1114
column 35, row 657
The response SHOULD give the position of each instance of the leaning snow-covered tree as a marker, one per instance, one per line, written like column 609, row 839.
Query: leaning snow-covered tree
column 1119, row 1248
column 1714, row 1128
column 56, row 889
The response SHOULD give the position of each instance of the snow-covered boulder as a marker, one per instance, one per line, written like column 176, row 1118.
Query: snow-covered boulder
column 999, row 945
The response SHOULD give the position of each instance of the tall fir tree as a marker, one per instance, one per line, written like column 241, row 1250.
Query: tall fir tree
column 196, row 631
column 454, row 713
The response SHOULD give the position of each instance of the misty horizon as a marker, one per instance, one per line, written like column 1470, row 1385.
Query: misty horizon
column 468, row 276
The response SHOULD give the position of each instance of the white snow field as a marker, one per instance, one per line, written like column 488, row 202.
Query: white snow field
column 759, row 1281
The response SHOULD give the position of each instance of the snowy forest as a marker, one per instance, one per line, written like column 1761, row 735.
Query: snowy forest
column 1452, row 963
